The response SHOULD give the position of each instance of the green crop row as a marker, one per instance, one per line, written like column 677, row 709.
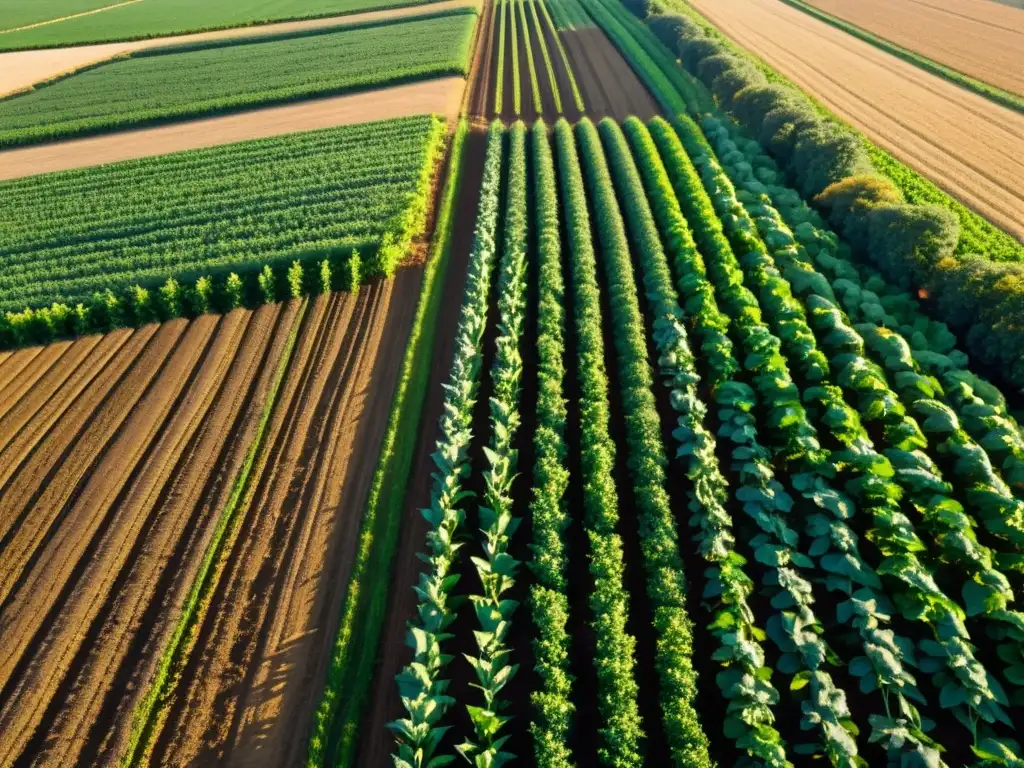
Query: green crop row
column 517, row 90
column 576, row 95
column 354, row 654
column 552, row 702
column 147, row 89
column 497, row 569
column 84, row 236
column 422, row 688
column 530, row 63
column 157, row 18
column 619, row 732
column 746, row 679
column 546, row 55
column 659, row 540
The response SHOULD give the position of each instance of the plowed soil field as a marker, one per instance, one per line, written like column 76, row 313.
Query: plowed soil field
column 118, row 457
column 977, row 37
column 969, row 146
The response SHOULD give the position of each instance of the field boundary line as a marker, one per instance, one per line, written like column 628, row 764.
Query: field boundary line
column 144, row 717
column 216, row 28
column 994, row 93
column 68, row 18
column 362, row 614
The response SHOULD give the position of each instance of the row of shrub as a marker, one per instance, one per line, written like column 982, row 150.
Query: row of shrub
column 875, row 482
column 913, row 245
column 137, row 306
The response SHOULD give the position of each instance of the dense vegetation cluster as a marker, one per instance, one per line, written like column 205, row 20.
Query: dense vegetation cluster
column 213, row 77
column 856, row 492
column 146, row 239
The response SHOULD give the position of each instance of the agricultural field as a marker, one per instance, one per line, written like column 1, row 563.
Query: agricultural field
column 138, row 19
column 310, row 197
column 981, row 39
column 15, row 14
column 214, row 77
column 973, row 153
column 712, row 491
column 606, row 417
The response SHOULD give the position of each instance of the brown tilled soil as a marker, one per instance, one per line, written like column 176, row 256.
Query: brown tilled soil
column 440, row 96
column 481, row 77
column 36, row 366
column 58, row 553
column 977, row 37
column 609, row 87
column 13, row 363
column 969, row 146
column 22, row 69
column 529, row 111
column 247, row 693
column 376, row 743
column 569, row 110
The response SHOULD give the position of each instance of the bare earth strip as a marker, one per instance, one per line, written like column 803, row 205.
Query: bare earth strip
column 14, row 364
column 123, row 582
column 20, row 412
column 440, row 96
column 968, row 35
column 30, row 374
column 247, row 694
column 60, row 421
column 969, row 146
column 22, row 69
column 78, row 571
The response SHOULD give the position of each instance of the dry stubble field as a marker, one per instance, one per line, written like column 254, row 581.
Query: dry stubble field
column 980, row 38
column 970, row 147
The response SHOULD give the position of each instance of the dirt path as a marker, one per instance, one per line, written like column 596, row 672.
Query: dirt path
column 384, row 704
column 440, row 96
column 22, row 69
column 969, row 146
column 482, row 77
column 981, row 39
column 609, row 87
column 248, row 692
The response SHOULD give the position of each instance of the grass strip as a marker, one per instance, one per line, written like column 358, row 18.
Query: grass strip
column 354, row 656
column 164, row 681
column 990, row 92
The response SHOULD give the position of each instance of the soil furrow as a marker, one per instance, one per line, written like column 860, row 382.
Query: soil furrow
column 34, row 498
column 160, row 512
column 300, row 637
column 284, row 508
column 27, row 377
column 213, row 465
column 82, row 353
column 47, row 618
column 65, row 412
column 14, row 362
column 183, row 735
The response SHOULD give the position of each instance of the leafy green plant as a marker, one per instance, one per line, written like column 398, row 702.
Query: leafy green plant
column 620, row 733
column 423, row 691
column 552, row 703
column 497, row 568
column 659, row 541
